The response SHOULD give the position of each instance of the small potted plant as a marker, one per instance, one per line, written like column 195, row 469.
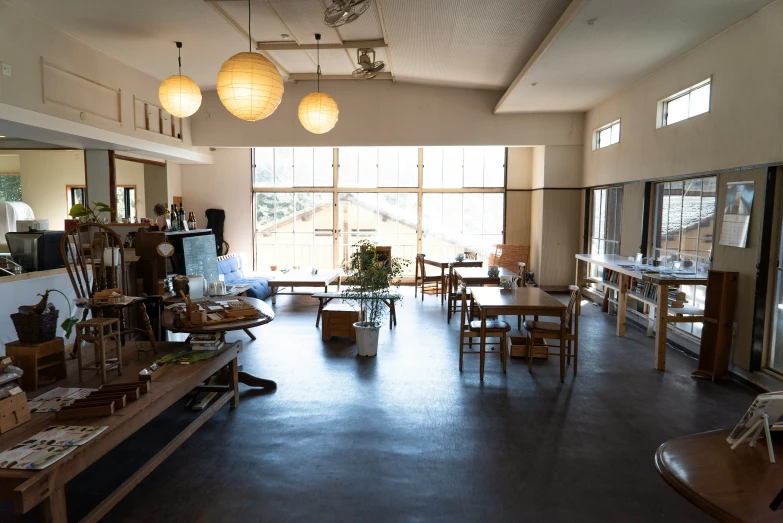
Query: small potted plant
column 84, row 213
column 38, row 323
column 369, row 281
column 162, row 212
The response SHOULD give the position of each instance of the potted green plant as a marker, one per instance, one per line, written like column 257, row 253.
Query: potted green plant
column 85, row 213
column 38, row 323
column 371, row 280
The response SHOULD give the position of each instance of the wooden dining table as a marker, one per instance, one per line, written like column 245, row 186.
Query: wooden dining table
column 443, row 262
column 494, row 301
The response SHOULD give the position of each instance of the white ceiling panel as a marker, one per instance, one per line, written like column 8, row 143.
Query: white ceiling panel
column 466, row 42
column 305, row 18
column 334, row 61
column 265, row 25
column 366, row 27
column 294, row 61
column 586, row 64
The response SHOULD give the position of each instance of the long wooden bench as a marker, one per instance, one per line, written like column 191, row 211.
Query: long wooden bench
column 325, row 297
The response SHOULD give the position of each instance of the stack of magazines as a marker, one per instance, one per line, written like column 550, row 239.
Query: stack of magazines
column 210, row 341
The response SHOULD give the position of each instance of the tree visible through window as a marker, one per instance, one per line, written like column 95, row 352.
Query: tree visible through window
column 10, row 188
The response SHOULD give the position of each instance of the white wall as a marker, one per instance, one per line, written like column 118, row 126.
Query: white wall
column 743, row 128
column 223, row 185
column 385, row 113
column 174, row 180
column 132, row 173
column 9, row 163
column 45, row 174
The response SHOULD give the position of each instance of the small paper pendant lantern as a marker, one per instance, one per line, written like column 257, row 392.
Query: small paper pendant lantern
column 318, row 113
column 178, row 94
column 250, row 86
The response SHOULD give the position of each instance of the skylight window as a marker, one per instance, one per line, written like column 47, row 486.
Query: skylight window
column 685, row 104
column 607, row 135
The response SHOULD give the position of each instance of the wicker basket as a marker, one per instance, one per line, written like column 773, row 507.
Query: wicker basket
column 36, row 328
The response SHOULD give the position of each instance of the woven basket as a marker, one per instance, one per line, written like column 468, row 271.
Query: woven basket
column 507, row 256
column 36, row 328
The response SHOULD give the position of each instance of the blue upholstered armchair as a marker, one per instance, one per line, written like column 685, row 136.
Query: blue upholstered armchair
column 234, row 271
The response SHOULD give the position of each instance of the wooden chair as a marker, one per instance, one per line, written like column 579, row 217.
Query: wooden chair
column 99, row 331
column 95, row 261
column 454, row 298
column 522, row 273
column 427, row 283
column 472, row 329
column 551, row 330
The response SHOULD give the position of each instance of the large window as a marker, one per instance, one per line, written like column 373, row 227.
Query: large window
column 686, row 104
column 606, row 224
column 684, row 229
column 10, row 187
column 312, row 204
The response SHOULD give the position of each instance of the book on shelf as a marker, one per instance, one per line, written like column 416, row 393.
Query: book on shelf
column 205, row 338
column 209, row 347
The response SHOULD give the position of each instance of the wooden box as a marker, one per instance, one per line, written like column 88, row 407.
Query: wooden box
column 338, row 320
column 13, row 411
column 518, row 347
column 32, row 359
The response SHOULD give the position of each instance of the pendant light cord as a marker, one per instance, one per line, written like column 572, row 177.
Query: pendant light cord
column 179, row 59
column 318, row 58
column 249, row 38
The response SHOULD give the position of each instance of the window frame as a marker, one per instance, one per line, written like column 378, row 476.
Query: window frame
column 663, row 105
column 597, row 135
column 335, row 189
column 618, row 224
column 126, row 200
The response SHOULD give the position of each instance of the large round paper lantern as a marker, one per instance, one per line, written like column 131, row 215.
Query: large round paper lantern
column 249, row 86
column 179, row 95
column 318, row 113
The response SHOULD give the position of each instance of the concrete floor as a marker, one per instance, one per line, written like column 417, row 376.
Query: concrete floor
column 406, row 437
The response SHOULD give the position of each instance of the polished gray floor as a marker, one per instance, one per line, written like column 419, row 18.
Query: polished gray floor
column 406, row 437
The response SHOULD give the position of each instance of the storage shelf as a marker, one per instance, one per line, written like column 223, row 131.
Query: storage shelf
column 638, row 297
column 599, row 281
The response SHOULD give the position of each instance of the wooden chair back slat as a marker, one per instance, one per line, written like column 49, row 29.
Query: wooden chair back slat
column 94, row 259
column 575, row 296
column 420, row 265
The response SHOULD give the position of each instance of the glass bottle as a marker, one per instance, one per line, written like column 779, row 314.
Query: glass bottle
column 192, row 221
column 174, row 217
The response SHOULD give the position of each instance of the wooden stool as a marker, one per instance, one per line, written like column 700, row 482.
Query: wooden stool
column 98, row 331
column 338, row 321
column 33, row 358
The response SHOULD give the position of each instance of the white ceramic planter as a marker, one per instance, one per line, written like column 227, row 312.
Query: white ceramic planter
column 367, row 338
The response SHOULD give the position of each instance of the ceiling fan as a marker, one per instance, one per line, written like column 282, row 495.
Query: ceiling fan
column 368, row 67
column 342, row 12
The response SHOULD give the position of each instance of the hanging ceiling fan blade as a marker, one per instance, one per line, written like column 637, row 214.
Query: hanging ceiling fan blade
column 342, row 12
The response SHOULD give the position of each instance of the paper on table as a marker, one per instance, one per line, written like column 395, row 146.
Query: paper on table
column 69, row 436
column 34, row 456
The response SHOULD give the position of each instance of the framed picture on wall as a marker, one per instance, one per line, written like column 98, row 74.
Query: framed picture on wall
column 736, row 214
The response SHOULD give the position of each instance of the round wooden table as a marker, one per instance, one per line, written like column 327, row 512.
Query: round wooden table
column 167, row 321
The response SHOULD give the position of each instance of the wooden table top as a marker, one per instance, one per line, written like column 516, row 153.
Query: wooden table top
column 174, row 382
column 445, row 261
column 167, row 318
column 521, row 297
column 324, row 277
column 731, row 485
column 480, row 273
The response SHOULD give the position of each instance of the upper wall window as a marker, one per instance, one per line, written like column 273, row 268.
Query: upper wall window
column 691, row 102
column 607, row 135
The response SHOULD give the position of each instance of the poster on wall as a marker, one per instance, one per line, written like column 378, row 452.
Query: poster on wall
column 736, row 214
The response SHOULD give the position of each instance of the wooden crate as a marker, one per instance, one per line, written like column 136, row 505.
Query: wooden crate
column 33, row 359
column 518, row 347
column 13, row 411
column 338, row 320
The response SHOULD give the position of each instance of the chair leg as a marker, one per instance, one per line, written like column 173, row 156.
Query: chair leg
column 531, row 337
column 119, row 359
column 576, row 353
column 519, row 323
column 145, row 319
column 504, row 351
column 461, row 347
column 102, row 355
column 415, row 288
column 77, row 346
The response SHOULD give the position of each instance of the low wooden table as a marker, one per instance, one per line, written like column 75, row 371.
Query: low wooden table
column 493, row 301
column 730, row 485
column 28, row 488
column 167, row 320
column 324, row 278
column 443, row 262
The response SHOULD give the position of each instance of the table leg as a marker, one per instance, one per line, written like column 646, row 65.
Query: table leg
column 233, row 382
column 274, row 295
column 54, row 507
column 247, row 331
column 622, row 297
column 254, row 381
column 562, row 346
column 483, row 342
column 578, row 283
column 661, row 312
column 442, row 284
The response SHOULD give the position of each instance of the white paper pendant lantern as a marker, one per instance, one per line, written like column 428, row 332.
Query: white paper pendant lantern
column 250, row 86
column 318, row 111
column 179, row 95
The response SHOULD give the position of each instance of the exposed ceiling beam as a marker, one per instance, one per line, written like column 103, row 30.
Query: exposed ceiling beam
column 304, row 77
column 293, row 46
column 567, row 17
column 385, row 37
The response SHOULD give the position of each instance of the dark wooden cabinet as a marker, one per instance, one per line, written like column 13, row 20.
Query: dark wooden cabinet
column 152, row 267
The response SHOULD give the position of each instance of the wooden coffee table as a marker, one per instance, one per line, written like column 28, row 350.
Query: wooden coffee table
column 167, row 321
column 323, row 278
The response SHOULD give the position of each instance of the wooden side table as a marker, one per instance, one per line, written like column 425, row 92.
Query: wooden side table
column 33, row 358
column 338, row 321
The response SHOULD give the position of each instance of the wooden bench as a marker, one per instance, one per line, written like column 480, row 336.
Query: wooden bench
column 325, row 297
